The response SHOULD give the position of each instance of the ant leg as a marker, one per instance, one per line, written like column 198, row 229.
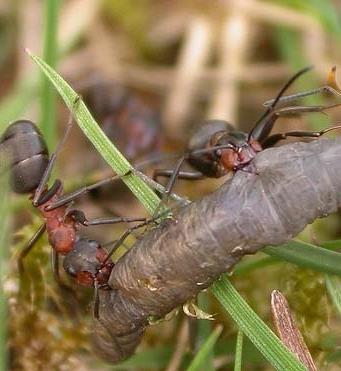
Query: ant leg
column 331, row 87
column 186, row 175
column 29, row 247
column 175, row 173
column 273, row 139
column 293, row 97
column 263, row 130
column 53, row 157
column 160, row 188
column 79, row 217
column 170, row 184
column 63, row 200
column 57, row 185
column 56, row 272
column 112, row 220
column 265, row 123
column 96, row 299
column 297, row 110
column 71, row 196
column 120, row 241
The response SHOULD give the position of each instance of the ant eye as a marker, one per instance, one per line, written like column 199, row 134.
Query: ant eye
column 218, row 152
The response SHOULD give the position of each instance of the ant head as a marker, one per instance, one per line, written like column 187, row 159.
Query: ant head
column 235, row 151
column 207, row 163
column 85, row 263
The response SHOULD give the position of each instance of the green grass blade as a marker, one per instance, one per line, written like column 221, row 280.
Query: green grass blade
column 205, row 351
column 239, row 352
column 323, row 11
column 94, row 133
column 204, row 329
column 24, row 91
column 334, row 289
column 308, row 256
column 50, row 52
column 299, row 253
column 331, row 245
column 254, row 328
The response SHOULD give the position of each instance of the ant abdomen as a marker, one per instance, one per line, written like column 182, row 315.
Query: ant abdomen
column 28, row 153
column 200, row 140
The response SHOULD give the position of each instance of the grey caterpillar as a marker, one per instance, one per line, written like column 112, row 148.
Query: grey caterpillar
column 292, row 186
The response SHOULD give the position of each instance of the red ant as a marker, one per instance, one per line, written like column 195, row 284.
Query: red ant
column 30, row 167
column 218, row 148
column 128, row 120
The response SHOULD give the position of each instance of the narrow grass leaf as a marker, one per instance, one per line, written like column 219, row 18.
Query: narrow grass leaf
column 50, row 53
column 94, row 133
column 331, row 245
column 199, row 360
column 334, row 289
column 308, row 256
column 204, row 329
column 239, row 352
column 254, row 328
column 299, row 253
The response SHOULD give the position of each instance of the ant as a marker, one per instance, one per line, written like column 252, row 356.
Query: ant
column 129, row 120
column 30, row 166
column 91, row 265
column 218, row 148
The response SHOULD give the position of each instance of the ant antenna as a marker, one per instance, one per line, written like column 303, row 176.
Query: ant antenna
column 278, row 97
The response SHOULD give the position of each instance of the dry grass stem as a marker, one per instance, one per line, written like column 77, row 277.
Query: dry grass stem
column 279, row 15
column 72, row 25
column 160, row 79
column 232, row 51
column 288, row 331
column 181, row 344
column 30, row 34
column 191, row 61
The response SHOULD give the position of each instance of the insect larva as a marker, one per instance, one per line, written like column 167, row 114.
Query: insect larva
column 289, row 188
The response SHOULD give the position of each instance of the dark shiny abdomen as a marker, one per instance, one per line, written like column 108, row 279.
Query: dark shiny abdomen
column 200, row 140
column 28, row 155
